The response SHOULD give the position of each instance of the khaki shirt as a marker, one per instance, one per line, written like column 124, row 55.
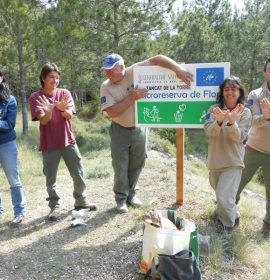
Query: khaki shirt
column 259, row 135
column 226, row 148
column 111, row 94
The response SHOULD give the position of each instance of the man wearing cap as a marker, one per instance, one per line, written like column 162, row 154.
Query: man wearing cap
column 128, row 143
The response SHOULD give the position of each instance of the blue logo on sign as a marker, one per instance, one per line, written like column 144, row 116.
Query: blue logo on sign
column 209, row 76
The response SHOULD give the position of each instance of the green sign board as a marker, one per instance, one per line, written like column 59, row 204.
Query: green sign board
column 170, row 114
column 170, row 102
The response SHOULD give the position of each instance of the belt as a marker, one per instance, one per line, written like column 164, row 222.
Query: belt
column 128, row 128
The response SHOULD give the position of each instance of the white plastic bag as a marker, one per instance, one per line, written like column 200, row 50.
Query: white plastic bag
column 162, row 241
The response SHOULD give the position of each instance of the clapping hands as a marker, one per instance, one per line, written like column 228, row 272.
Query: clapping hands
column 219, row 114
column 63, row 104
column 235, row 113
column 232, row 116
column 265, row 107
column 44, row 104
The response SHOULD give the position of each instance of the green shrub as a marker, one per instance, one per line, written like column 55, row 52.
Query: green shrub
column 259, row 176
column 155, row 142
column 195, row 140
column 99, row 172
column 89, row 109
column 167, row 133
column 96, row 142
column 92, row 135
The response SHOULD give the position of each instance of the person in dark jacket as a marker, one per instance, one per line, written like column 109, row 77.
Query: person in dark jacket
column 9, row 151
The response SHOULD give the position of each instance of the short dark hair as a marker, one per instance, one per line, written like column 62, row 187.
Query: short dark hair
column 232, row 80
column 46, row 69
column 265, row 64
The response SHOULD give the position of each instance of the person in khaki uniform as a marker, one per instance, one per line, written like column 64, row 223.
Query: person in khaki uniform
column 128, row 143
column 226, row 125
column 258, row 146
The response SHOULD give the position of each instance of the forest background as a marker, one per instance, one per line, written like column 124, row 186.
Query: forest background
column 77, row 35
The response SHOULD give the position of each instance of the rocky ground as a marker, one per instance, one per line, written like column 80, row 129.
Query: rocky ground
column 110, row 244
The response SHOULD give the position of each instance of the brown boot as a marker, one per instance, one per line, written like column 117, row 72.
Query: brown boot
column 236, row 223
column 90, row 207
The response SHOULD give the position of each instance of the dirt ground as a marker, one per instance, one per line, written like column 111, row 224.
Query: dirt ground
column 109, row 245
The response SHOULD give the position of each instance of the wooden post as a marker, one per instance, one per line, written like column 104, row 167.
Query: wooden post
column 180, row 152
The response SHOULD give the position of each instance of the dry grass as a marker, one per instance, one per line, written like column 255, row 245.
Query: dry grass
column 109, row 245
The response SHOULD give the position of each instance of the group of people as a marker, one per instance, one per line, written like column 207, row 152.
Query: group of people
column 238, row 146
column 53, row 108
column 237, row 138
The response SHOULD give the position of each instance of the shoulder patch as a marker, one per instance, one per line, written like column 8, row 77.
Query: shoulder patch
column 207, row 117
column 103, row 100
column 250, row 102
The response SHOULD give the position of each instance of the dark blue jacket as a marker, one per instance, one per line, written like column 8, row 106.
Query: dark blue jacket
column 8, row 113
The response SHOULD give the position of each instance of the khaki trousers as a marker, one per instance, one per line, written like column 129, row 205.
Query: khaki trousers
column 225, row 182
column 72, row 158
column 128, row 149
column 253, row 160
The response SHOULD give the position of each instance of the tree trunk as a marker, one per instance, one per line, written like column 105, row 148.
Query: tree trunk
column 22, row 81
column 252, row 70
column 115, row 24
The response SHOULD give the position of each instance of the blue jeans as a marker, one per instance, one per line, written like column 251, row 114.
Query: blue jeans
column 9, row 163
